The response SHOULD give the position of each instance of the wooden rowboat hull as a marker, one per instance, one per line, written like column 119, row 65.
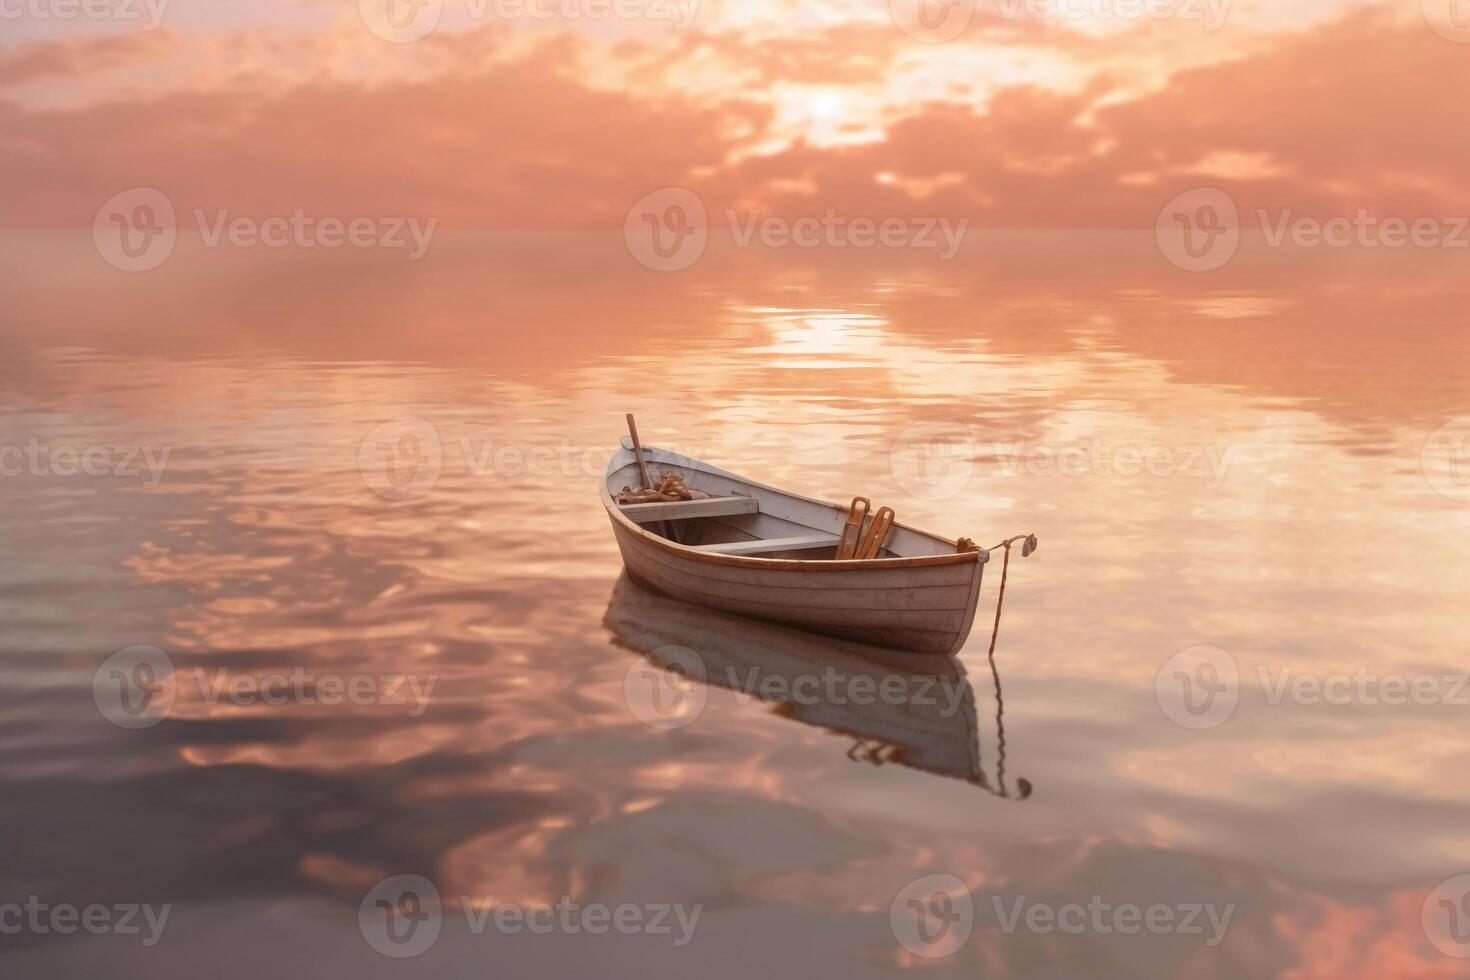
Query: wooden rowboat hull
column 920, row 596
column 926, row 610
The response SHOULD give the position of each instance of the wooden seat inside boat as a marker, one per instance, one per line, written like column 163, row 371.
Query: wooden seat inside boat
column 687, row 510
column 806, row 542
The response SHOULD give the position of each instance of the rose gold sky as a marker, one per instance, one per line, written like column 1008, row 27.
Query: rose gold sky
column 1325, row 107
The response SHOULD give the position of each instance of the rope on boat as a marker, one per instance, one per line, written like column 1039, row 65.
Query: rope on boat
column 1026, row 550
column 1005, row 566
column 1000, row 707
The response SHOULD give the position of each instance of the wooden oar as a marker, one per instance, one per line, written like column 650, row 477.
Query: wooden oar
column 852, row 531
column 877, row 531
column 668, row 528
column 638, row 452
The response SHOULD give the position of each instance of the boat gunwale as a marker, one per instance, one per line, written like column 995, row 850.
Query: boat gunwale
column 628, row 525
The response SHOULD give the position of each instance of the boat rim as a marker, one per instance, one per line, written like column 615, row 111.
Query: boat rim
column 751, row 561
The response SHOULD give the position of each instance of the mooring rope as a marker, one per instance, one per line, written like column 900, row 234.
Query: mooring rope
column 1000, row 705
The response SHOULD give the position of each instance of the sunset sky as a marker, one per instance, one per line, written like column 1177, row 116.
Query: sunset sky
column 1038, row 114
column 1247, row 461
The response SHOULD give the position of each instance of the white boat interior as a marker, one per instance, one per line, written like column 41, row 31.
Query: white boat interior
column 747, row 519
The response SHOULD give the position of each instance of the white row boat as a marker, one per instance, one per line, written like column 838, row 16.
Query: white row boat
column 767, row 553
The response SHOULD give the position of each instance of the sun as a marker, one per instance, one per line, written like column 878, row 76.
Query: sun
column 823, row 105
column 822, row 116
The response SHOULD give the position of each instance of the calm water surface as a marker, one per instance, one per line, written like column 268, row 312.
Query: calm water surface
column 1233, row 461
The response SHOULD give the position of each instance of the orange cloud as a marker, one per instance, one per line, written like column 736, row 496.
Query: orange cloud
column 494, row 128
column 81, row 56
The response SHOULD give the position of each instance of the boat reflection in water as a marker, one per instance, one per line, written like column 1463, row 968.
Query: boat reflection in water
column 917, row 712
